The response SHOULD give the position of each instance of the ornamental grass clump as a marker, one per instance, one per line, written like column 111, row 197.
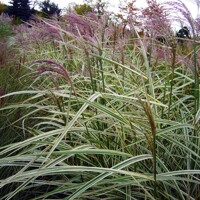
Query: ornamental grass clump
column 98, row 119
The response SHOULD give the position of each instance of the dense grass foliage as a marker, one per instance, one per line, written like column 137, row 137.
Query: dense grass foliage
column 91, row 110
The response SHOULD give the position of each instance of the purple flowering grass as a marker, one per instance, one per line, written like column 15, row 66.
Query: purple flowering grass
column 53, row 66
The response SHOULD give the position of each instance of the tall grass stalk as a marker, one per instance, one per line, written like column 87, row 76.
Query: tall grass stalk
column 196, row 105
column 172, row 77
column 152, row 141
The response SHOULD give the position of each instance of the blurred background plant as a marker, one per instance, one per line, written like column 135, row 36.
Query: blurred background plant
column 5, row 26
